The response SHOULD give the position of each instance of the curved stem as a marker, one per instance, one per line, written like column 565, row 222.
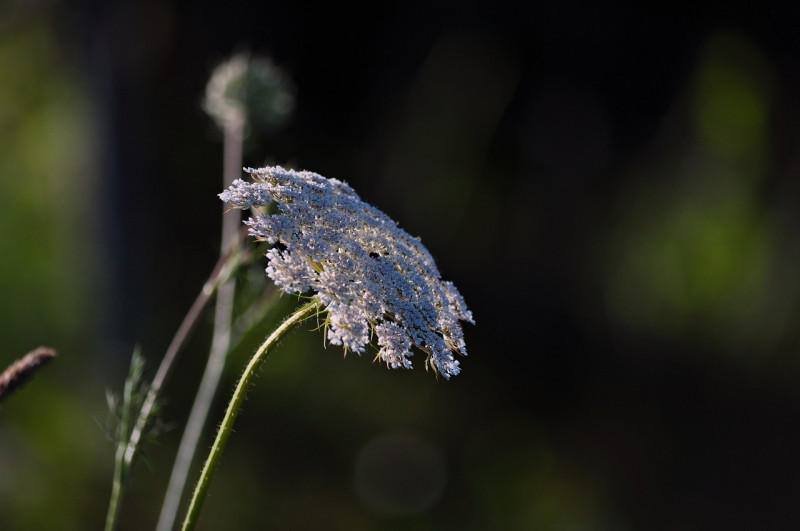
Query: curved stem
column 201, row 490
column 222, row 270
column 133, row 430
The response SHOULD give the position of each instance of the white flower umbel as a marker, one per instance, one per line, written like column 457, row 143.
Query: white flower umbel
column 368, row 273
column 356, row 264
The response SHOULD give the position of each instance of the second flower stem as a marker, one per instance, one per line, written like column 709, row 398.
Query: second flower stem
column 201, row 490
column 220, row 341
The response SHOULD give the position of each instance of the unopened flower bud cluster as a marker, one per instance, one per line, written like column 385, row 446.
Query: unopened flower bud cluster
column 368, row 273
column 249, row 90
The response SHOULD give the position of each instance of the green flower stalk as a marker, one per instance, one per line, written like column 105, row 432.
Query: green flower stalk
column 234, row 406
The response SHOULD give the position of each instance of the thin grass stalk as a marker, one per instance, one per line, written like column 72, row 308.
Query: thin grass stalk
column 121, row 467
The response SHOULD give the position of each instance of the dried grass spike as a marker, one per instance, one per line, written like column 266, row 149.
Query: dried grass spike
column 19, row 372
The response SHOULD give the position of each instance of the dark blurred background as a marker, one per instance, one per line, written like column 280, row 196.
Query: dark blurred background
column 613, row 188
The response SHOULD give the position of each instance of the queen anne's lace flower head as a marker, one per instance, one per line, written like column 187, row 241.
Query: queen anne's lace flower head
column 367, row 272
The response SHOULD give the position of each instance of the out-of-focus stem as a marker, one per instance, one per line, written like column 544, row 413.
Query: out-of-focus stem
column 220, row 342
column 222, row 271
column 126, row 451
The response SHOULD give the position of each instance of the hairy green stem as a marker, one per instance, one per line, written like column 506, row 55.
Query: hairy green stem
column 201, row 490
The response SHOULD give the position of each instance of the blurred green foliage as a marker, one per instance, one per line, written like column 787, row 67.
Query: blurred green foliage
column 696, row 250
column 48, row 282
column 47, row 188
